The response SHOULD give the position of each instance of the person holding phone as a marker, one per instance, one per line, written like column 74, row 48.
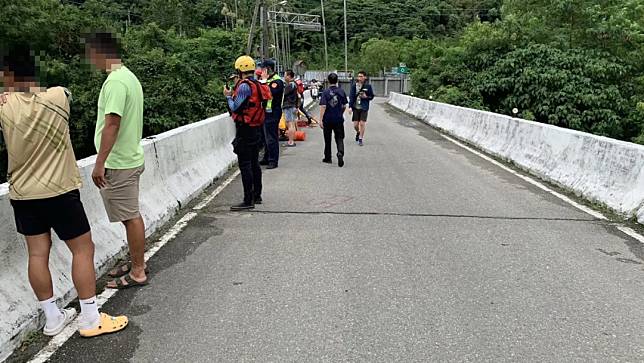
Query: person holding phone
column 230, row 83
column 360, row 97
column 246, row 101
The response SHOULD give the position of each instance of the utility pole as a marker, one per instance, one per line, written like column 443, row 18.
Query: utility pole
column 326, row 51
column 236, row 14
column 346, row 52
column 284, row 64
column 277, row 47
column 251, row 33
column 264, row 30
column 289, row 60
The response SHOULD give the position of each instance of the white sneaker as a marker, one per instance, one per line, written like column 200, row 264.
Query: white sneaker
column 69, row 314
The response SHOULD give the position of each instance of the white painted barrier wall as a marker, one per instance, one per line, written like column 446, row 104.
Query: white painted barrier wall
column 179, row 164
column 597, row 168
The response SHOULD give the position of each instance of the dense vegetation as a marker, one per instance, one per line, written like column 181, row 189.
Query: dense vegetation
column 180, row 63
column 572, row 63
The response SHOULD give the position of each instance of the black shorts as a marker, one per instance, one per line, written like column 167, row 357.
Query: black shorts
column 360, row 115
column 64, row 214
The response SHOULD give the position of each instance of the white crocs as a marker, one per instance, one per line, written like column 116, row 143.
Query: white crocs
column 70, row 314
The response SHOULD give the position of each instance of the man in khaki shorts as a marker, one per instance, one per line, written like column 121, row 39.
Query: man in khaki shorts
column 120, row 162
column 44, row 184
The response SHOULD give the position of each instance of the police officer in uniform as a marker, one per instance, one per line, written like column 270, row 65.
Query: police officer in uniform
column 247, row 111
column 273, row 115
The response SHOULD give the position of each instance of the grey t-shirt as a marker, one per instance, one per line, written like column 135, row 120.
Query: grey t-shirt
column 357, row 105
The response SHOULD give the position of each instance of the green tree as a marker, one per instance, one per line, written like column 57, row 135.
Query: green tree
column 378, row 55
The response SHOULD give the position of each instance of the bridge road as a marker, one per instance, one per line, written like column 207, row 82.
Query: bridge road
column 416, row 250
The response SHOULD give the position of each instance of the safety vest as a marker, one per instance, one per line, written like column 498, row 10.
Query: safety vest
column 252, row 110
column 269, row 104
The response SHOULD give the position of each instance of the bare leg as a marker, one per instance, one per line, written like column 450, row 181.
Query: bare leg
column 83, row 272
column 136, row 240
column 363, row 127
column 39, row 275
column 291, row 132
column 135, row 229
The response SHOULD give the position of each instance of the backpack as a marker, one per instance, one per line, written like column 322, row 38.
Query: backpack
column 300, row 86
column 252, row 112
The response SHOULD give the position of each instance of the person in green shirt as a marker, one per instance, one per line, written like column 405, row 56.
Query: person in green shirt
column 120, row 160
column 44, row 191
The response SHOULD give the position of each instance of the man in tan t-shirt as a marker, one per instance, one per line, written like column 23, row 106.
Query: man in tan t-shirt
column 44, row 184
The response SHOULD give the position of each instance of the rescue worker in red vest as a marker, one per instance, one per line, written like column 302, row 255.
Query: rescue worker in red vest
column 246, row 102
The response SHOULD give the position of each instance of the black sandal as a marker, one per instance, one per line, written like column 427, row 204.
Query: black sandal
column 129, row 282
column 121, row 271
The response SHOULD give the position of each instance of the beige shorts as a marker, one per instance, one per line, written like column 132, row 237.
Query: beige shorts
column 121, row 195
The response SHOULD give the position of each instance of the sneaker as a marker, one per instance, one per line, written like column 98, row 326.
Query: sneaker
column 271, row 166
column 258, row 200
column 263, row 162
column 69, row 315
column 328, row 161
column 340, row 161
column 242, row 206
column 291, row 145
column 357, row 137
column 360, row 142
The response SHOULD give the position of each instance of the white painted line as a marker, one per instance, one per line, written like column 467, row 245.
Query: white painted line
column 626, row 230
column 171, row 234
column 56, row 342
column 631, row 232
column 216, row 191
column 541, row 186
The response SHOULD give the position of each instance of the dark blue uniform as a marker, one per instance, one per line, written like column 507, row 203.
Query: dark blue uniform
column 271, row 124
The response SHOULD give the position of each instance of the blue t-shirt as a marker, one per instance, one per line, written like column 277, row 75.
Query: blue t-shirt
column 335, row 101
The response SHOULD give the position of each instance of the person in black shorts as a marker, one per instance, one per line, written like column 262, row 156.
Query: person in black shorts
column 360, row 97
column 44, row 183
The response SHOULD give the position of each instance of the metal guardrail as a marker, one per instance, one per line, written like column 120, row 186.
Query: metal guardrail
column 382, row 86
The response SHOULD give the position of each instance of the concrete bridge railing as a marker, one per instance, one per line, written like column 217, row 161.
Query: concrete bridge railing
column 599, row 169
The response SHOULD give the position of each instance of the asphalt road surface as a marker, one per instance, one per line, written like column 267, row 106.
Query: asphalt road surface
column 416, row 250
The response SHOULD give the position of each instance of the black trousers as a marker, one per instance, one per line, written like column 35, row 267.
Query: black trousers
column 305, row 112
column 338, row 130
column 248, row 140
column 270, row 137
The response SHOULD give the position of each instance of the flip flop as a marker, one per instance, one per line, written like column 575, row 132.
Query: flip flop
column 128, row 268
column 130, row 282
column 106, row 325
